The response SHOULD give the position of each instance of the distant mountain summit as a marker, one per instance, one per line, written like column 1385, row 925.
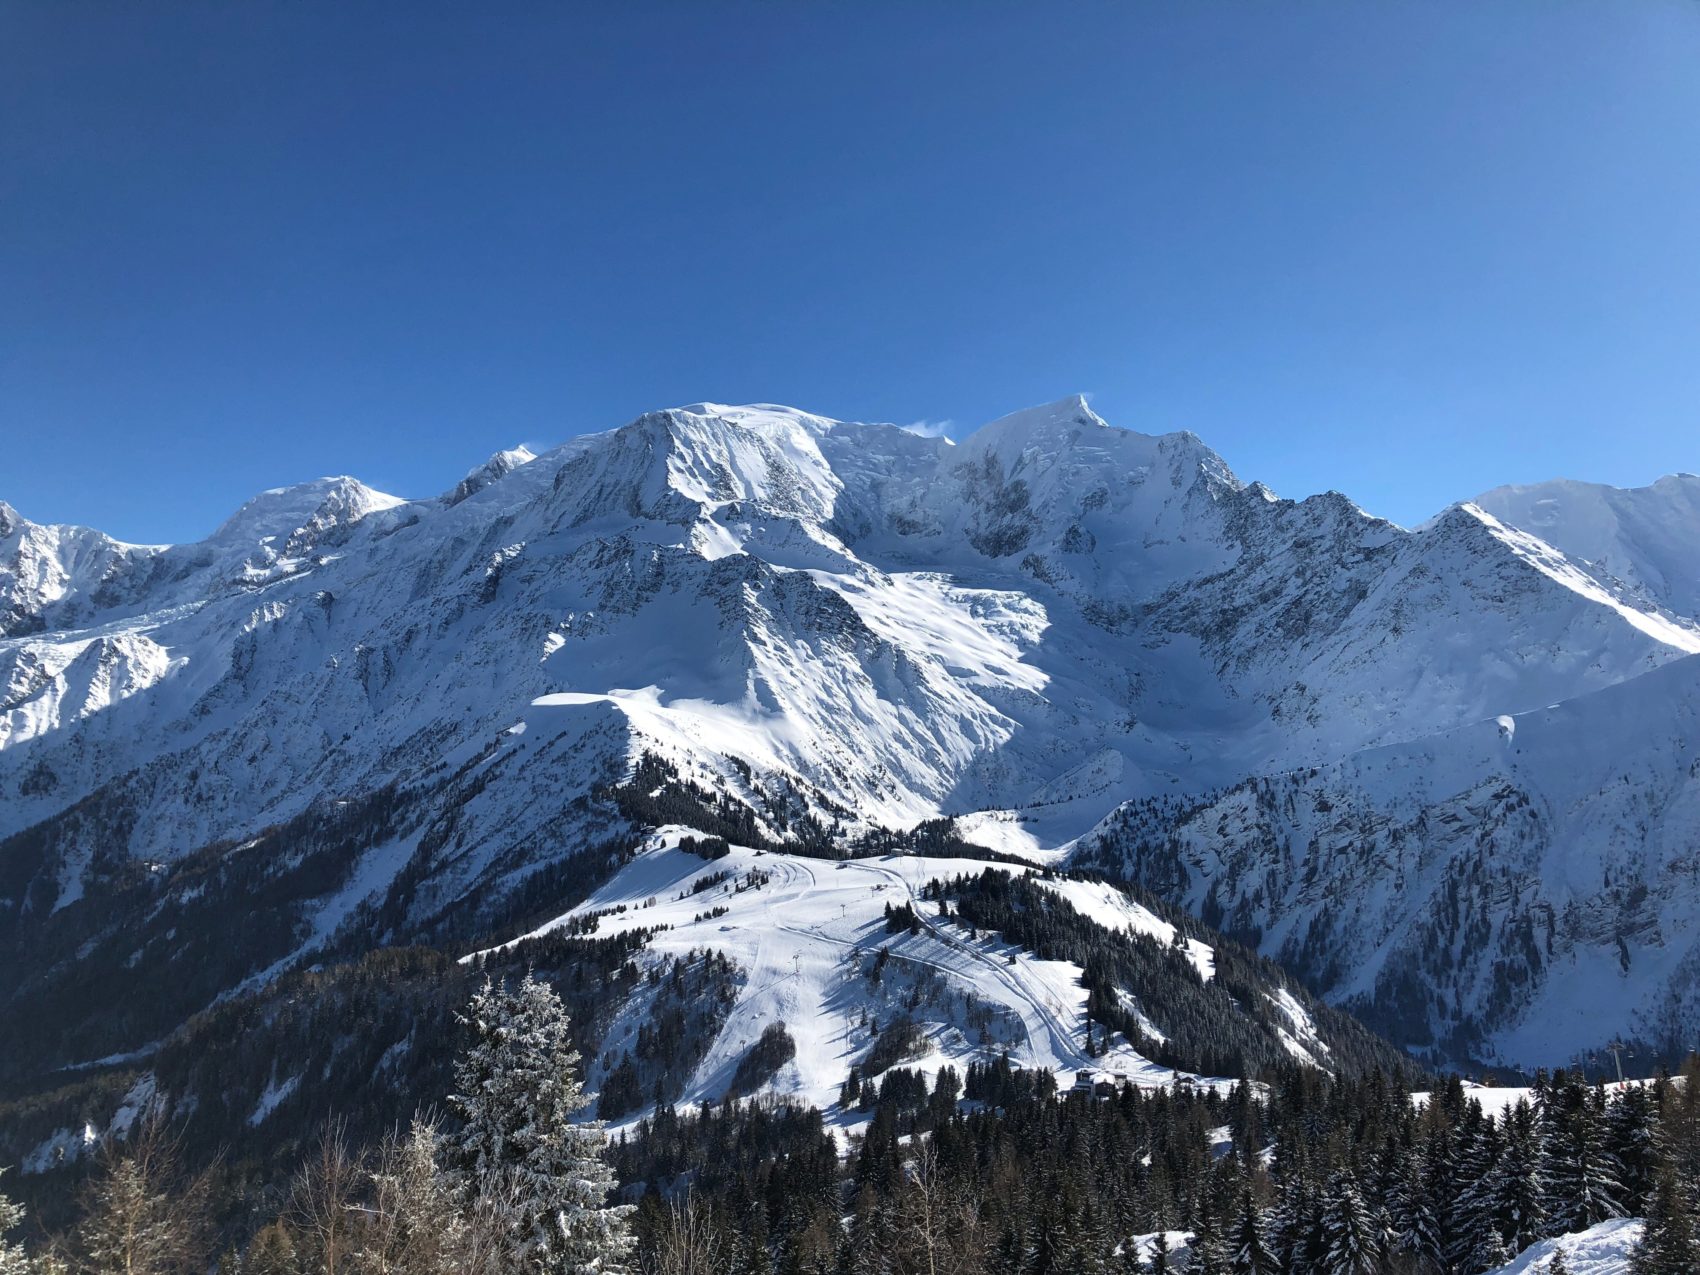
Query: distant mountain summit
column 1394, row 759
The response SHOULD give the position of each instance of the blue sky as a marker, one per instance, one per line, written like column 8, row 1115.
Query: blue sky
column 1404, row 250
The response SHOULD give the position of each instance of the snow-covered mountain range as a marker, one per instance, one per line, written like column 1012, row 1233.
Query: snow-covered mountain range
column 1447, row 773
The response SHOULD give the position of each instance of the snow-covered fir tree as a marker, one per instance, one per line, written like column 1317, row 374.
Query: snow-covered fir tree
column 1466, row 1211
column 1510, row 1199
column 1352, row 1234
column 1209, row 1251
column 1668, row 1245
column 1490, row 1254
column 1413, row 1218
column 1251, row 1251
column 1630, row 1131
column 1296, row 1225
column 517, row 1092
column 1582, row 1178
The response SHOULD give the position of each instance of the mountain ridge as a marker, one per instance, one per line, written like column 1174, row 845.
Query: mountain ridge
column 828, row 630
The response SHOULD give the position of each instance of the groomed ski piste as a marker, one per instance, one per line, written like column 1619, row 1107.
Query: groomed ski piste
column 805, row 934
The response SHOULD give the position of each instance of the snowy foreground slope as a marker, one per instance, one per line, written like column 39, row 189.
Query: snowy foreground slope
column 347, row 720
column 1604, row 1249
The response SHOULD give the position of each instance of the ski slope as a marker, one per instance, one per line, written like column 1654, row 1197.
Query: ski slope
column 804, row 939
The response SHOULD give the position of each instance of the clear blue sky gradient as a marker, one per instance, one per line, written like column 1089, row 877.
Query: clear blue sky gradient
column 1404, row 250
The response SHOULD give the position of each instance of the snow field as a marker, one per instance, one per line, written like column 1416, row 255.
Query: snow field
column 1600, row 1250
column 803, row 940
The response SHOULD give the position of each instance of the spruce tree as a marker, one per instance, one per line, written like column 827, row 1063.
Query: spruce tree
column 1490, row 1254
column 1668, row 1245
column 1209, row 1255
column 1295, row 1231
column 518, row 1151
column 1511, row 1198
column 1630, row 1136
column 1252, row 1253
column 1415, row 1222
column 1351, row 1236
column 1468, row 1215
column 1583, row 1180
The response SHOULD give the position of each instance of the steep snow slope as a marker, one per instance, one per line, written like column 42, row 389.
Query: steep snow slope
column 833, row 631
column 1512, row 890
column 1646, row 538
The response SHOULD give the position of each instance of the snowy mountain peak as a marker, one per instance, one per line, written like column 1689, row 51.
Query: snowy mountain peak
column 764, row 454
column 1646, row 539
column 1047, row 422
column 311, row 507
column 479, row 477
column 1061, row 432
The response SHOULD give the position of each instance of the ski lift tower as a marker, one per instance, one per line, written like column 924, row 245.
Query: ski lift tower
column 1618, row 1049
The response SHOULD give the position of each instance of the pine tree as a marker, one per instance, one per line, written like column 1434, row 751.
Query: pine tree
column 1252, row 1254
column 1352, row 1239
column 1631, row 1138
column 1583, row 1180
column 517, row 1093
column 1558, row 1266
column 1415, row 1221
column 1668, row 1245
